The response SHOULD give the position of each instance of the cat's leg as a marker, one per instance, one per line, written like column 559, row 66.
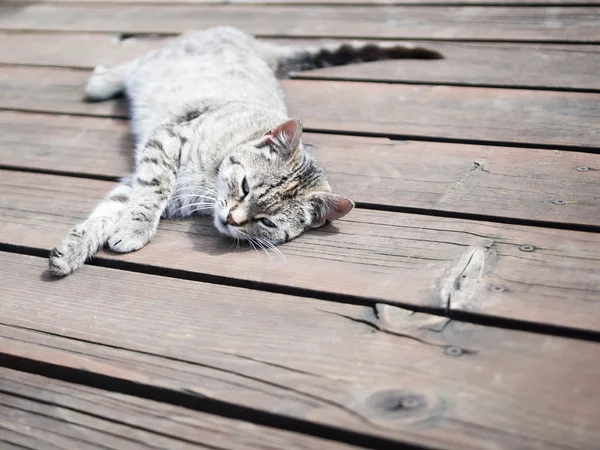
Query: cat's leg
column 108, row 82
column 157, row 164
column 84, row 240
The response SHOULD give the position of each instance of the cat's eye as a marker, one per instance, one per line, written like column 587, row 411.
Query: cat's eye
column 245, row 187
column 266, row 222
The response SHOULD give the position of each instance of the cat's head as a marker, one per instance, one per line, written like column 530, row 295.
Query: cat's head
column 273, row 189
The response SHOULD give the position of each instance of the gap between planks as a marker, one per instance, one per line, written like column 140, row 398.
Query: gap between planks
column 452, row 311
column 548, row 67
column 40, row 412
column 503, row 185
column 501, row 117
column 390, row 22
column 368, row 257
column 248, row 352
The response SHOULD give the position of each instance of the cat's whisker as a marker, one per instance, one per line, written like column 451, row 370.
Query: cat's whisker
column 251, row 242
column 199, row 192
column 184, row 197
column 273, row 247
column 201, row 206
column 236, row 242
column 262, row 246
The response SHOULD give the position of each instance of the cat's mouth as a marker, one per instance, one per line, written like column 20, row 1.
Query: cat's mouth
column 226, row 229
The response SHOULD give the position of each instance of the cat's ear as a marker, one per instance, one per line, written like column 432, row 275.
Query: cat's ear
column 286, row 136
column 327, row 207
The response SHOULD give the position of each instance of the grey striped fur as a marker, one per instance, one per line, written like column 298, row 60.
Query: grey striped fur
column 213, row 137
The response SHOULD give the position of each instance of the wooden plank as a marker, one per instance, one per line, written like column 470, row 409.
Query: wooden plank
column 492, row 181
column 45, row 411
column 491, row 64
column 465, row 114
column 333, row 2
column 82, row 50
column 544, row 24
column 409, row 377
column 405, row 259
column 483, row 115
column 478, row 64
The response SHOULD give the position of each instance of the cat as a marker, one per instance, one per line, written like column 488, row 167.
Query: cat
column 213, row 137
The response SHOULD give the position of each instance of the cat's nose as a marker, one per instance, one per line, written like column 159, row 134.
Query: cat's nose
column 230, row 220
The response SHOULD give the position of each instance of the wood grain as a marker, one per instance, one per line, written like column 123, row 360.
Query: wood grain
column 542, row 24
column 475, row 115
column 491, row 64
column 329, row 2
column 444, row 112
column 41, row 412
column 405, row 259
column 494, row 181
column 409, row 377
column 483, row 64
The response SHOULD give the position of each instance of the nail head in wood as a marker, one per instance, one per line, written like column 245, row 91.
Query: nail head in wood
column 497, row 288
column 453, row 350
column 527, row 248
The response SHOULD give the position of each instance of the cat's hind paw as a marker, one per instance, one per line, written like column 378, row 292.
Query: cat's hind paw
column 103, row 84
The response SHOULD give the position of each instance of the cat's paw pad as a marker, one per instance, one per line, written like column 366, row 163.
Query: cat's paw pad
column 70, row 254
column 131, row 232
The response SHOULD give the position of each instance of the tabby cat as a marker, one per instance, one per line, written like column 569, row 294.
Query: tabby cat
column 213, row 137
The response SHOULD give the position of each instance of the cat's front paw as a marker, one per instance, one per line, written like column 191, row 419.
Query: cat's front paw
column 132, row 231
column 71, row 253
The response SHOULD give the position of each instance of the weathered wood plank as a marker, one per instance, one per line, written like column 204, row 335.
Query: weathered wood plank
column 569, row 119
column 453, row 23
column 493, row 181
column 483, row 64
column 82, row 50
column 491, row 64
column 333, row 2
column 409, row 377
column 47, row 411
column 443, row 112
column 405, row 259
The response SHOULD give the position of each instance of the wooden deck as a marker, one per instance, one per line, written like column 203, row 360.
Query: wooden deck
column 457, row 307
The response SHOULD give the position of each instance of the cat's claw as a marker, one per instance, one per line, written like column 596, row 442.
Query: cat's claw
column 130, row 233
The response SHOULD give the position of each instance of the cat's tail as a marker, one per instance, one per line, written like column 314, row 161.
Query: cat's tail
column 285, row 60
column 87, row 238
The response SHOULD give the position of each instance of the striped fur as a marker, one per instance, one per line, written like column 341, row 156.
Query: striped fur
column 213, row 137
column 287, row 60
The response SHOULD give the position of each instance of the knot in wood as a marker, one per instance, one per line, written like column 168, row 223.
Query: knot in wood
column 559, row 202
column 582, row 169
column 396, row 403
